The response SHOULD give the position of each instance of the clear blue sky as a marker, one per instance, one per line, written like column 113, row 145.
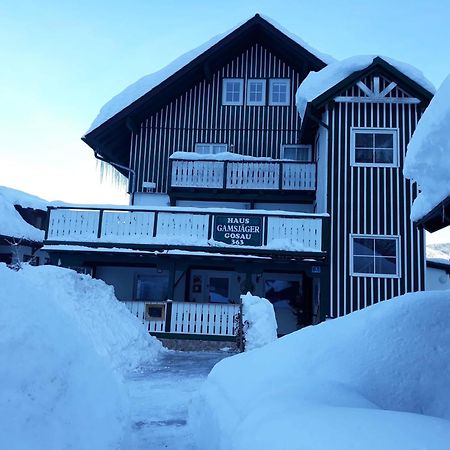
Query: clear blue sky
column 62, row 60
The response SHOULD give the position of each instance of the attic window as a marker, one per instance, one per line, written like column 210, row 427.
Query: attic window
column 232, row 91
column 279, row 92
column 256, row 92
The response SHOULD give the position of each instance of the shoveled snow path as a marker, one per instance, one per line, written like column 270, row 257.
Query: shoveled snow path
column 160, row 397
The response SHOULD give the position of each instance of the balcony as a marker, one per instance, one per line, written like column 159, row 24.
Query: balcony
column 249, row 176
column 207, row 229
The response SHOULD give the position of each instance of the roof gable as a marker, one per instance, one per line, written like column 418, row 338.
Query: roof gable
column 110, row 130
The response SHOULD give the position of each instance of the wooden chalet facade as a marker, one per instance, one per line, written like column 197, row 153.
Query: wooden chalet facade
column 257, row 199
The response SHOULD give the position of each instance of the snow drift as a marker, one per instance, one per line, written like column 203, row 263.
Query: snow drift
column 428, row 158
column 63, row 345
column 376, row 379
column 260, row 324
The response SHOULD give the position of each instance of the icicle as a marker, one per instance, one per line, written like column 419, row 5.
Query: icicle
column 109, row 174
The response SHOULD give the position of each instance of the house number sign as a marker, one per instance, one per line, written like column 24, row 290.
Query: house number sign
column 238, row 230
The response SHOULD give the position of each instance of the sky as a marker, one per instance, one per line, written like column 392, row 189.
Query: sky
column 62, row 60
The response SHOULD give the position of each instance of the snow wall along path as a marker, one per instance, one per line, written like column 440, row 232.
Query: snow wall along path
column 65, row 344
column 375, row 379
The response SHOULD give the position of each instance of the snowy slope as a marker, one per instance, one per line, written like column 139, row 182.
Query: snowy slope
column 148, row 82
column 375, row 379
column 11, row 222
column 317, row 83
column 65, row 344
column 428, row 158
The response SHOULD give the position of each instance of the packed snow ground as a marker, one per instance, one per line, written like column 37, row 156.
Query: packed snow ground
column 68, row 344
column 375, row 379
column 160, row 395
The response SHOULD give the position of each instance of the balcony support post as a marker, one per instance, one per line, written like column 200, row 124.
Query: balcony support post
column 100, row 224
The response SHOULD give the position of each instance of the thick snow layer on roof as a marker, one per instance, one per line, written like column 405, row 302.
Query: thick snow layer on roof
column 12, row 224
column 23, row 199
column 317, row 83
column 148, row 82
column 428, row 157
column 222, row 156
column 375, row 379
column 441, row 251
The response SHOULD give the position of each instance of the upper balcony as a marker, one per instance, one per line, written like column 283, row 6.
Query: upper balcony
column 249, row 177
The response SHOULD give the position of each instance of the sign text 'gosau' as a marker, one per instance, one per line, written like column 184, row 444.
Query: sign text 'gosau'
column 238, row 230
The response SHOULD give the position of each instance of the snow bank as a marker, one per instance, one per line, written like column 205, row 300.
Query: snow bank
column 114, row 333
column 317, row 83
column 260, row 324
column 375, row 379
column 148, row 82
column 56, row 392
column 428, row 157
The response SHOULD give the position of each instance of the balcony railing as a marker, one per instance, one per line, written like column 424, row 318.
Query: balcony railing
column 252, row 175
column 186, row 228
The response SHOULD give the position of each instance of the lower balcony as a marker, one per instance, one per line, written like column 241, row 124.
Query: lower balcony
column 212, row 230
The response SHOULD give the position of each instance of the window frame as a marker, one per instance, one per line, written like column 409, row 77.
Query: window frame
column 353, row 273
column 288, row 99
column 264, row 89
column 309, row 147
column 374, row 130
column 240, row 102
column 211, row 145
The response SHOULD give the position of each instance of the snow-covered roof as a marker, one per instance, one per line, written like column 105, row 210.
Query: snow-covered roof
column 317, row 83
column 428, row 157
column 438, row 251
column 148, row 82
column 11, row 222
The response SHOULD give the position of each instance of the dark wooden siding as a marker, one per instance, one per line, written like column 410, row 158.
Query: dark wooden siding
column 198, row 116
column 371, row 200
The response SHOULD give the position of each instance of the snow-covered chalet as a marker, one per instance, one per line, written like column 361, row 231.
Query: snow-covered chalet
column 254, row 163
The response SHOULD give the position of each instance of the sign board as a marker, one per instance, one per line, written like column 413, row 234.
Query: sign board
column 238, row 229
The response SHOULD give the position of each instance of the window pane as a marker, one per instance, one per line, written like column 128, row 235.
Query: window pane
column 364, row 140
column 218, row 290
column 386, row 247
column 363, row 246
column 363, row 155
column 279, row 92
column 296, row 153
column 153, row 287
column 363, row 264
column 384, row 156
column 384, row 140
column 386, row 266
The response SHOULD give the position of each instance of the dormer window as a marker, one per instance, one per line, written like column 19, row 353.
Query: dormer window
column 374, row 147
column 210, row 149
column 233, row 91
column 296, row 152
column 279, row 90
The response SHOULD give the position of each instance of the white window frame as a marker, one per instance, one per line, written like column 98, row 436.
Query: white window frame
column 213, row 146
column 288, row 97
column 374, row 130
column 263, row 100
column 353, row 273
column 224, row 91
column 284, row 146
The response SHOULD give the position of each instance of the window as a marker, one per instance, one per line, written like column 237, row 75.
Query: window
column 375, row 256
column 152, row 287
column 296, row 152
column 232, row 91
column 210, row 149
column 374, row 146
column 219, row 290
column 256, row 92
column 279, row 92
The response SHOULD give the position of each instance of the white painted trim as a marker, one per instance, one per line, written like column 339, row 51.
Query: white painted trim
column 241, row 95
column 376, row 275
column 256, row 103
column 288, row 99
column 374, row 130
column 378, row 99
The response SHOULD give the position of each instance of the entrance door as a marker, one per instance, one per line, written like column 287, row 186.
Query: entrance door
column 213, row 286
column 286, row 293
